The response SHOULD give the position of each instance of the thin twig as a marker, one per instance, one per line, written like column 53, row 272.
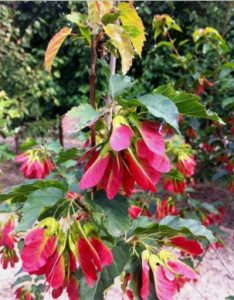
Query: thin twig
column 173, row 45
column 203, row 256
column 223, row 262
column 197, row 290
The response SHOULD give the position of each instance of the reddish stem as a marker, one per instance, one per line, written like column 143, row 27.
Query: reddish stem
column 92, row 83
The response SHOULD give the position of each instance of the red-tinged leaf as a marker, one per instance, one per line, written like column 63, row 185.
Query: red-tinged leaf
column 95, row 173
column 189, row 246
column 73, row 289
column 121, row 138
column 165, row 288
column 138, row 173
column 151, row 137
column 55, row 271
column 112, row 179
column 80, row 117
column 104, row 253
column 181, row 268
column 145, row 288
column 54, row 45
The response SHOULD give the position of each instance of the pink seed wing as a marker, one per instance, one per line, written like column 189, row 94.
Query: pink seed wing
column 112, row 179
column 165, row 288
column 89, row 261
column 138, row 173
column 121, row 138
column 104, row 253
column 55, row 271
column 189, row 246
column 152, row 138
column 161, row 163
column 145, row 288
column 181, row 268
column 72, row 289
column 95, row 173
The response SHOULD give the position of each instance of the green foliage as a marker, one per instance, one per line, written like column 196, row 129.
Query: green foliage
column 188, row 226
column 114, row 213
column 161, row 107
column 5, row 152
column 35, row 203
column 118, row 84
column 171, row 226
column 187, row 104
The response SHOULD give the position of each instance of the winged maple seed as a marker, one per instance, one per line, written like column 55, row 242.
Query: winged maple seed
column 45, row 253
column 35, row 163
column 131, row 156
column 166, row 269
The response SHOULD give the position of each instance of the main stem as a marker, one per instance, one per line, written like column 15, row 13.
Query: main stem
column 92, row 84
column 108, row 98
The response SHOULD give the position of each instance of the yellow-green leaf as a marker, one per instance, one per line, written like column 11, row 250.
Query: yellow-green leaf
column 54, row 45
column 96, row 9
column 130, row 19
column 122, row 42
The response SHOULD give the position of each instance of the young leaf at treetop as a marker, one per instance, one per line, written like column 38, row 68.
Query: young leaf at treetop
column 96, row 9
column 122, row 42
column 54, row 45
column 81, row 21
column 132, row 23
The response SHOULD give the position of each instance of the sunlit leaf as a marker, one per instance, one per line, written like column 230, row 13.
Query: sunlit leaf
column 81, row 21
column 122, row 42
column 54, row 46
column 133, row 25
column 96, row 9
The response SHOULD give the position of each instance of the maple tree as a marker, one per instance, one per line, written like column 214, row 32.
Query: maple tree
column 93, row 213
